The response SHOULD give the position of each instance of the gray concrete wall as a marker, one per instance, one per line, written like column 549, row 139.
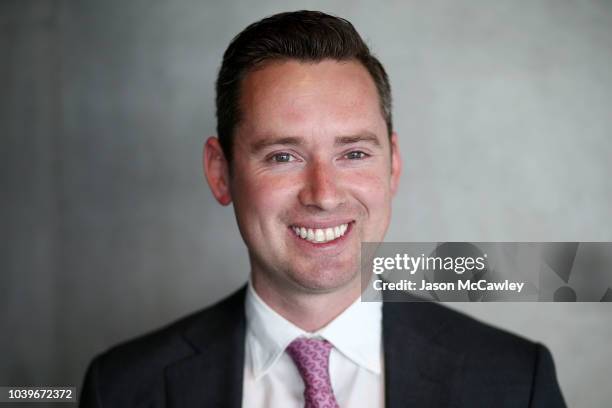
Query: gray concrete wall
column 108, row 228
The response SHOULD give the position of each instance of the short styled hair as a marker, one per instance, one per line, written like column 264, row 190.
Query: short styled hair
column 308, row 36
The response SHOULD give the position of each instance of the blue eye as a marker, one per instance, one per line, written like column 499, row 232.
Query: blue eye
column 356, row 155
column 282, row 158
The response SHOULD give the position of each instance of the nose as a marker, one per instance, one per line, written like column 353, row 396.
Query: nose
column 321, row 187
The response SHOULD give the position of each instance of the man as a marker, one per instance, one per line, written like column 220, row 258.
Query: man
column 307, row 155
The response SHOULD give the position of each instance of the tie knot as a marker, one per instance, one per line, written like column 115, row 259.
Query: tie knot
column 309, row 352
column 311, row 357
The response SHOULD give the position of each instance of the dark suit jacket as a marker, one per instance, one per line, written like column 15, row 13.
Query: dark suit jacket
column 433, row 357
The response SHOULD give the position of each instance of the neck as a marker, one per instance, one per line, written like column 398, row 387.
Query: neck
column 309, row 311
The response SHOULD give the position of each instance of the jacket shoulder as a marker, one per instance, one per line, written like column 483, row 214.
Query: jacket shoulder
column 496, row 366
column 132, row 369
column 454, row 330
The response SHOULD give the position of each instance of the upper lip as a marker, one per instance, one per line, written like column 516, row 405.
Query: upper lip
column 321, row 224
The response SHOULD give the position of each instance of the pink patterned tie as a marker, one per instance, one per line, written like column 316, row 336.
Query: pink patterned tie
column 311, row 356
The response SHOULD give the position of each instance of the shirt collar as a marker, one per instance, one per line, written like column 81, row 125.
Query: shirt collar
column 356, row 333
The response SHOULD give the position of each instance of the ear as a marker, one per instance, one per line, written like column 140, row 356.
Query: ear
column 216, row 169
column 396, row 164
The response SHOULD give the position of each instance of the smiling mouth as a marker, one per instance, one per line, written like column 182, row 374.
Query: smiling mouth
column 320, row 235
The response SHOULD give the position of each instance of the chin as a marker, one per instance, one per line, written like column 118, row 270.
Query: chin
column 324, row 280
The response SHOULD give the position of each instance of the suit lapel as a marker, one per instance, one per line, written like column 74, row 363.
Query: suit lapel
column 418, row 372
column 212, row 376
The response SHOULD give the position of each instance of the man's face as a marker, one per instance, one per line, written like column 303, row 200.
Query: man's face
column 313, row 172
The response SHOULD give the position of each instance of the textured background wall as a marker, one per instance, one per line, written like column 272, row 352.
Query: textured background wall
column 108, row 229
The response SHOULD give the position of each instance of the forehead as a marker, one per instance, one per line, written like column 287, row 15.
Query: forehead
column 298, row 98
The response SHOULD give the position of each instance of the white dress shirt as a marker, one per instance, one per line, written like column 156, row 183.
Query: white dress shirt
column 272, row 380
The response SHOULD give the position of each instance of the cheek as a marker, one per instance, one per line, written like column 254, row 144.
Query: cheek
column 262, row 195
column 372, row 189
column 256, row 207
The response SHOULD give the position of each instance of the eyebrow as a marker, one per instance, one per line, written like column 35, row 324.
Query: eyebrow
column 276, row 141
column 367, row 137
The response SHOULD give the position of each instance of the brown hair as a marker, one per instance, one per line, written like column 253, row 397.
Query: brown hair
column 300, row 35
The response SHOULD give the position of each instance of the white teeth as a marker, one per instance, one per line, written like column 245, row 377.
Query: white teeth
column 311, row 235
column 320, row 235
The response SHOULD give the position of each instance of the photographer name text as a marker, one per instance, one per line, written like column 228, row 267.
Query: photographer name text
column 479, row 285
